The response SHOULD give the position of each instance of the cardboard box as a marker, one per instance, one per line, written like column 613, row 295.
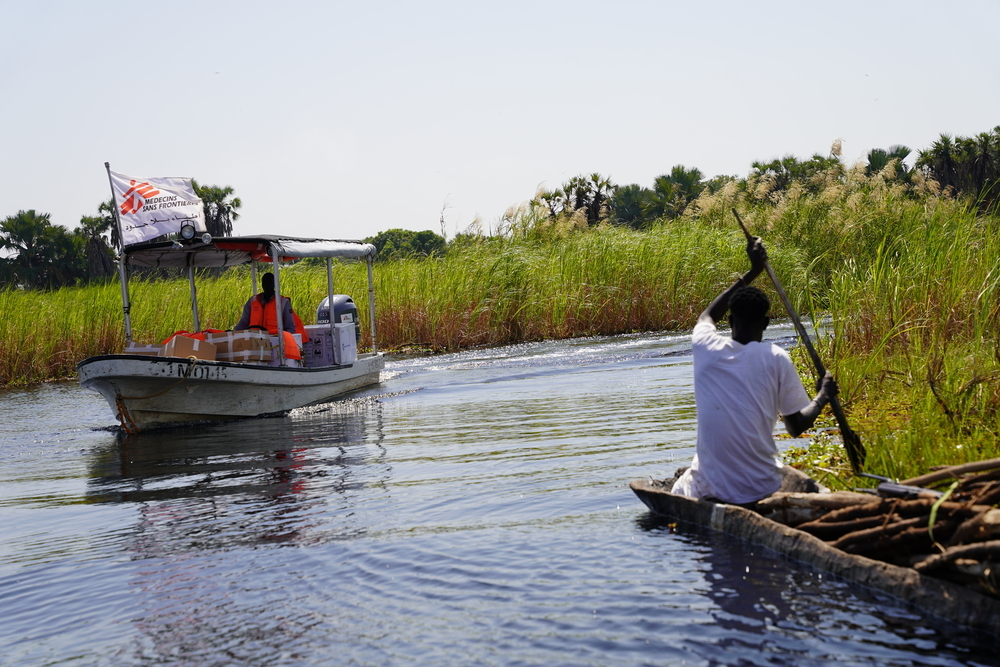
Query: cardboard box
column 220, row 341
column 247, row 357
column 145, row 350
column 250, row 341
column 182, row 346
column 318, row 350
column 230, row 343
column 330, row 348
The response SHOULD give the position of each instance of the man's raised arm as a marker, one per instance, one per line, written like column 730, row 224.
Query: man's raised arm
column 758, row 255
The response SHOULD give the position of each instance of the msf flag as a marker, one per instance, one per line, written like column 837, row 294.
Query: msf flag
column 151, row 207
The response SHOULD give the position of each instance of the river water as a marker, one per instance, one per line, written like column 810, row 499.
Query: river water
column 473, row 509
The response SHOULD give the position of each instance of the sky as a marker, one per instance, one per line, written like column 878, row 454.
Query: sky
column 343, row 119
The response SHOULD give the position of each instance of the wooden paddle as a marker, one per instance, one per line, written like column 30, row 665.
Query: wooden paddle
column 852, row 443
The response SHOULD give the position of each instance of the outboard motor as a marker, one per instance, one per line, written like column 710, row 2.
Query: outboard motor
column 344, row 310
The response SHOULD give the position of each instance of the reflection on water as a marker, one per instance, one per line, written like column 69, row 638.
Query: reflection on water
column 196, row 487
column 473, row 509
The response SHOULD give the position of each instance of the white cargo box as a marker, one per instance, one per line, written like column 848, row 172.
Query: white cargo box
column 319, row 330
column 346, row 349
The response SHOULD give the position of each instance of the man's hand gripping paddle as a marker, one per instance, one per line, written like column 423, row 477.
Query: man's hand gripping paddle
column 852, row 443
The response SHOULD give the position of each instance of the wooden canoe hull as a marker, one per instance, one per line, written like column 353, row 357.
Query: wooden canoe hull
column 939, row 597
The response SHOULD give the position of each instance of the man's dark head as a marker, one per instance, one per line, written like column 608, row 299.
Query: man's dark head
column 749, row 306
column 267, row 282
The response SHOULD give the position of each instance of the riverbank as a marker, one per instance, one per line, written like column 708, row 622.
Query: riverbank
column 490, row 292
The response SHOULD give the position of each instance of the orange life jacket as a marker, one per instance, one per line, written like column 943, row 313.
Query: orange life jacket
column 292, row 349
column 265, row 316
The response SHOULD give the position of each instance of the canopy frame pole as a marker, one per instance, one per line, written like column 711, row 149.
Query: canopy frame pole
column 371, row 304
column 329, row 299
column 194, row 293
column 275, row 259
column 122, row 269
column 126, row 304
column 253, row 277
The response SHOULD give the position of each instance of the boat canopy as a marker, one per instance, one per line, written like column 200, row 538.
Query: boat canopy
column 236, row 250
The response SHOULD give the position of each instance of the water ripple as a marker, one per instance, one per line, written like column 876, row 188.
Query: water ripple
column 472, row 509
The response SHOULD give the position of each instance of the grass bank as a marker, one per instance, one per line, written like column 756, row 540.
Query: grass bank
column 496, row 291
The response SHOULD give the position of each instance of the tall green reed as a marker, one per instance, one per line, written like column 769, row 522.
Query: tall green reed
column 607, row 280
column 602, row 281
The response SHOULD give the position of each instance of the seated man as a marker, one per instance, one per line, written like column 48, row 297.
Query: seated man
column 740, row 385
column 259, row 311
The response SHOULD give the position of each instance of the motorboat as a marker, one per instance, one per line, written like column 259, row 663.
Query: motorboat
column 146, row 391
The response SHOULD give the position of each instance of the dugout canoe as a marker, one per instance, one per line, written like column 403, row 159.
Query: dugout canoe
column 936, row 596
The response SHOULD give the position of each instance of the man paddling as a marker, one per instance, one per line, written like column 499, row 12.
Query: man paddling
column 740, row 385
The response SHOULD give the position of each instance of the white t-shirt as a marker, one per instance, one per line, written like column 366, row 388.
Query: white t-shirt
column 739, row 391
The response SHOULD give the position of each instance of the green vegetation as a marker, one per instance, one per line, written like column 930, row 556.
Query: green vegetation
column 911, row 278
column 491, row 291
column 541, row 285
column 397, row 243
column 906, row 266
column 41, row 254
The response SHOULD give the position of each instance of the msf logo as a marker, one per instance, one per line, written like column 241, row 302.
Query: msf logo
column 136, row 196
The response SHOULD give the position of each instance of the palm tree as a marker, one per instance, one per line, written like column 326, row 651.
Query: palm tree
column 688, row 184
column 552, row 200
column 673, row 192
column 601, row 189
column 220, row 208
column 590, row 194
column 44, row 255
column 969, row 165
column 630, row 205
column 23, row 234
column 879, row 158
column 66, row 258
column 789, row 168
column 939, row 162
column 982, row 155
column 106, row 212
column 661, row 198
column 580, row 196
column 100, row 260
column 781, row 169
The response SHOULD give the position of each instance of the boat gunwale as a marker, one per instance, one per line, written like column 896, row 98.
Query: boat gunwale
column 217, row 362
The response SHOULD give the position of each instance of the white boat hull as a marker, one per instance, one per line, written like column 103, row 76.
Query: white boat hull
column 154, row 392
